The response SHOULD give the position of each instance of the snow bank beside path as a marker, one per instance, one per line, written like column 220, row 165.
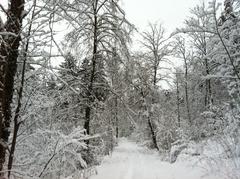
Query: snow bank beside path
column 130, row 161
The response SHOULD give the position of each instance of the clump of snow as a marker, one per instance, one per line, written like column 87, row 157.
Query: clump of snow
column 176, row 150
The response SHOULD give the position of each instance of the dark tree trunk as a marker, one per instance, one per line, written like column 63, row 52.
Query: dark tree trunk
column 8, row 66
column 186, row 91
column 90, row 92
column 116, row 117
column 153, row 134
column 19, row 104
column 87, row 120
column 178, row 103
column 155, row 76
column 150, row 124
column 208, row 95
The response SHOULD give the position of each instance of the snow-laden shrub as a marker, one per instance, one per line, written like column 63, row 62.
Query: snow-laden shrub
column 222, row 152
column 211, row 122
column 166, row 128
column 221, row 157
column 50, row 154
column 232, row 131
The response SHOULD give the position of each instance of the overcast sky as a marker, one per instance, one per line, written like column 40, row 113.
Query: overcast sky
column 171, row 12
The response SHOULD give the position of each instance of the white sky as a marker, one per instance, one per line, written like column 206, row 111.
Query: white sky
column 140, row 12
column 171, row 13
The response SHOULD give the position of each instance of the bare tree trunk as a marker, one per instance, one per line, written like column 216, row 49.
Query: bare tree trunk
column 116, row 117
column 8, row 66
column 20, row 94
column 115, row 84
column 115, row 73
column 87, row 120
column 178, row 102
column 153, row 133
column 150, row 123
column 93, row 71
column 208, row 95
column 155, row 76
column 186, row 91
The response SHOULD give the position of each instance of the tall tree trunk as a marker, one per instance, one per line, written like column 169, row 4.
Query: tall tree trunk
column 8, row 66
column 150, row 123
column 87, row 120
column 208, row 95
column 178, row 102
column 116, row 117
column 90, row 96
column 114, row 69
column 153, row 133
column 155, row 76
column 186, row 92
column 20, row 94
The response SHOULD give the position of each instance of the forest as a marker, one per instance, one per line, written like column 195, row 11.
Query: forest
column 85, row 94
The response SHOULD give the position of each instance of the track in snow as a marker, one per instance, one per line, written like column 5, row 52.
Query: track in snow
column 130, row 161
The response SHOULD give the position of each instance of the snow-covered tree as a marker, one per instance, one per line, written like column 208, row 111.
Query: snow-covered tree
column 9, row 52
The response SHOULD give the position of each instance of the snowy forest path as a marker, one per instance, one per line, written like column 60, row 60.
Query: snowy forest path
column 131, row 161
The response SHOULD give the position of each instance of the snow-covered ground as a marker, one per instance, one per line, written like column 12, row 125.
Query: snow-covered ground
column 131, row 161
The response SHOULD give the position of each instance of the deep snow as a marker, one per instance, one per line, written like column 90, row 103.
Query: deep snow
column 131, row 161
